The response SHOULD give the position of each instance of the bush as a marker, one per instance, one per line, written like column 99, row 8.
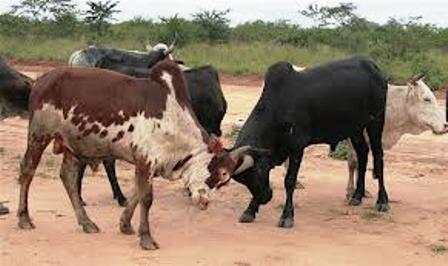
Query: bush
column 342, row 150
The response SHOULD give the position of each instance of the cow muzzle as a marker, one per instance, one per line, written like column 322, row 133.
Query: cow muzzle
column 443, row 131
column 200, row 199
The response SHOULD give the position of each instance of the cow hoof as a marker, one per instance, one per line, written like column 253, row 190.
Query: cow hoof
column 90, row 228
column 287, row 222
column 126, row 228
column 299, row 185
column 349, row 196
column 367, row 194
column 355, row 202
column 83, row 203
column 382, row 207
column 26, row 224
column 147, row 243
column 246, row 217
column 122, row 202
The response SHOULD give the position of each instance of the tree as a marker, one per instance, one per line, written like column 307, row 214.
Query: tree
column 214, row 24
column 341, row 15
column 39, row 10
column 99, row 15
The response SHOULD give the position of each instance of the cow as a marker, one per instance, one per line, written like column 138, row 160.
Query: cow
column 14, row 92
column 93, row 56
column 208, row 100
column 208, row 104
column 323, row 104
column 94, row 114
column 15, row 89
column 410, row 109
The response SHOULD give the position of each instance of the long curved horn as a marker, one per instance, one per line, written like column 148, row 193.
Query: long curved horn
column 236, row 154
column 172, row 45
column 416, row 78
column 248, row 162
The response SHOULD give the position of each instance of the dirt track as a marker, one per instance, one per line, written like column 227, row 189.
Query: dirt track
column 326, row 232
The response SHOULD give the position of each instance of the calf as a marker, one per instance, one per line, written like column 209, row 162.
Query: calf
column 410, row 109
column 324, row 104
column 94, row 114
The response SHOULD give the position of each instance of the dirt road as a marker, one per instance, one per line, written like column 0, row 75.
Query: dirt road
column 326, row 232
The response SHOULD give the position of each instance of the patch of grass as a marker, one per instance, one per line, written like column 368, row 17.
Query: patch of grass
column 234, row 132
column 371, row 214
column 51, row 162
column 438, row 249
column 342, row 150
column 237, row 58
column 2, row 150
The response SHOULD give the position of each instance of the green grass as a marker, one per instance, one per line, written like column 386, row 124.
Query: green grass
column 438, row 249
column 234, row 132
column 371, row 214
column 233, row 58
column 342, row 150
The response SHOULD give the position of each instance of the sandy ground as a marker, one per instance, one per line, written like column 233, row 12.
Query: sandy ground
column 326, row 232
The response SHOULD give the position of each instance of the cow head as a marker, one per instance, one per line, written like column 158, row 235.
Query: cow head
column 211, row 170
column 15, row 89
column 159, row 52
column 422, row 107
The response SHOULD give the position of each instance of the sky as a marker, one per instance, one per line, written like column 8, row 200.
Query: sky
column 432, row 11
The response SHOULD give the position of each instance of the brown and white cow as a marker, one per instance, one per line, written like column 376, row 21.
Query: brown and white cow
column 94, row 114
column 410, row 109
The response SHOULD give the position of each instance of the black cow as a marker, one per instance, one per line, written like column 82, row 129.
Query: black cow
column 208, row 104
column 15, row 89
column 324, row 104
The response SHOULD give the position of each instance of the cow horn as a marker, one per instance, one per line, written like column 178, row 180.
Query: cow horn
column 416, row 78
column 248, row 162
column 28, row 80
column 236, row 154
column 171, row 47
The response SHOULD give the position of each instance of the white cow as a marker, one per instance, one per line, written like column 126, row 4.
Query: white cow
column 410, row 109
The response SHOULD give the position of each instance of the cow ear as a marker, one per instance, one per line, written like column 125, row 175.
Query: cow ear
column 214, row 144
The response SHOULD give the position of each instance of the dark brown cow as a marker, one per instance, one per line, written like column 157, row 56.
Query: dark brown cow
column 94, row 114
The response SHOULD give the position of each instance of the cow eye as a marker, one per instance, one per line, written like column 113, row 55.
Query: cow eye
column 428, row 100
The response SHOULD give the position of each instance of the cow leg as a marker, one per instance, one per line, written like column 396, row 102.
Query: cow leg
column 287, row 217
column 69, row 175
column 375, row 135
column 30, row 161
column 145, row 192
column 250, row 213
column 126, row 216
column 82, row 169
column 109, row 166
column 362, row 150
column 352, row 164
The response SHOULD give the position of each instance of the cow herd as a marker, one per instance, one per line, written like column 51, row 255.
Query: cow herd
column 150, row 110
